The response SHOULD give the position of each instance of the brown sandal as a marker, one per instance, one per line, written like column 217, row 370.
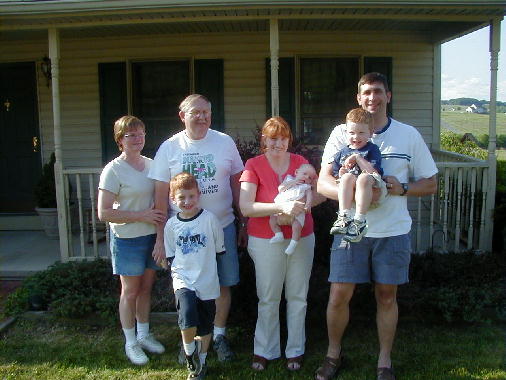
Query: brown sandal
column 294, row 364
column 329, row 368
column 259, row 363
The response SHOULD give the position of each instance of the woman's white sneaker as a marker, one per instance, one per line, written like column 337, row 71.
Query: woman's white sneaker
column 135, row 354
column 150, row 344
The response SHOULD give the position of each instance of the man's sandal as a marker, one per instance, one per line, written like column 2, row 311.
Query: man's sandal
column 386, row 373
column 259, row 363
column 329, row 368
column 294, row 364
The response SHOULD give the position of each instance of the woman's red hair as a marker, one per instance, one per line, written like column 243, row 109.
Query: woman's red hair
column 276, row 127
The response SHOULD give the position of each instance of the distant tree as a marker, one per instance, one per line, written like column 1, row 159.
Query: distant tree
column 501, row 141
column 464, row 101
column 483, row 141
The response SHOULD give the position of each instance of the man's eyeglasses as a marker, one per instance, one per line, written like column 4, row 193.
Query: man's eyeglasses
column 134, row 135
column 195, row 113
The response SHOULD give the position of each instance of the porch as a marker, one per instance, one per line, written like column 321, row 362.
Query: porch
column 79, row 40
column 453, row 219
column 23, row 253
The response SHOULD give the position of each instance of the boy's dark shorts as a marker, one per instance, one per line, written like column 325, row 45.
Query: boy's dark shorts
column 193, row 312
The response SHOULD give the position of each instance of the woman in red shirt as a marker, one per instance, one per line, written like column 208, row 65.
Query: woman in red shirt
column 273, row 268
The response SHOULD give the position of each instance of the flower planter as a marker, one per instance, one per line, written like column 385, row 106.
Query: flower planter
column 49, row 220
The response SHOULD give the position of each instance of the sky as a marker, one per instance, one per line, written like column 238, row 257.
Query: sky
column 465, row 67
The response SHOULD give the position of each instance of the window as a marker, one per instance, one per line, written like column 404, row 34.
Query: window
column 328, row 88
column 327, row 93
column 157, row 89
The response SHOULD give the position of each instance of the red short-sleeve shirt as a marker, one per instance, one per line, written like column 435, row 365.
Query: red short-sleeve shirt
column 258, row 171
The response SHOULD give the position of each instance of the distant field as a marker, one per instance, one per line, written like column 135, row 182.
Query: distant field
column 464, row 122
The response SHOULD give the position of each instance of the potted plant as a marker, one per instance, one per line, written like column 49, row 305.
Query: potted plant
column 45, row 198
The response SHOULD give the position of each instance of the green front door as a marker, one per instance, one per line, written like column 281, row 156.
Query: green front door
column 20, row 164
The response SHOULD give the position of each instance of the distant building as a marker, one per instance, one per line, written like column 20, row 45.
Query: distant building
column 476, row 109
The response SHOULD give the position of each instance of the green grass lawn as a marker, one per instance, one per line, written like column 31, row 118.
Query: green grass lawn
column 463, row 122
column 44, row 349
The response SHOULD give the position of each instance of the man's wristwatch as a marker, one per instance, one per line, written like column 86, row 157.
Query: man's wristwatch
column 405, row 188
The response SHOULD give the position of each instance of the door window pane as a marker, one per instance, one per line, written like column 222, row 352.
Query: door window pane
column 157, row 90
column 328, row 92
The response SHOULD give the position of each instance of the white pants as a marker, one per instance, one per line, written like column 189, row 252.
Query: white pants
column 273, row 268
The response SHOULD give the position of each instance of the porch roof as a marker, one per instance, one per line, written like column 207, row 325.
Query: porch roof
column 438, row 20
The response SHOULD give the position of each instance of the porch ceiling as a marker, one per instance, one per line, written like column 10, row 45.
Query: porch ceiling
column 439, row 23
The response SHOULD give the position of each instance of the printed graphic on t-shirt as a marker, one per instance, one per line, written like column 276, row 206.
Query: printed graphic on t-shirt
column 203, row 167
column 355, row 170
column 190, row 242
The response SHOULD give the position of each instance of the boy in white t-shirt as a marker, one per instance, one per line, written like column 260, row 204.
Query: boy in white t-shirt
column 193, row 237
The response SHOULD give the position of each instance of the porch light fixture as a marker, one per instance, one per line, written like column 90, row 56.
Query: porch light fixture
column 45, row 67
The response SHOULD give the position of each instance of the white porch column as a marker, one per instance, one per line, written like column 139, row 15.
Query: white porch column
column 495, row 32
column 436, row 99
column 274, row 45
column 54, row 56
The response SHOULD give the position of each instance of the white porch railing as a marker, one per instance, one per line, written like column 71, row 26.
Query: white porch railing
column 453, row 219
column 87, row 236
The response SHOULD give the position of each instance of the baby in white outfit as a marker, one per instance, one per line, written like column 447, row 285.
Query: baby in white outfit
column 294, row 189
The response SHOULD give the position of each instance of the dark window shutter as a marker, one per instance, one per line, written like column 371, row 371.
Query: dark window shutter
column 381, row 65
column 113, row 104
column 286, row 82
column 209, row 82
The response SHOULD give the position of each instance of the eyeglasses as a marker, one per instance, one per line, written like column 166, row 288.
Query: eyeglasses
column 194, row 113
column 134, row 135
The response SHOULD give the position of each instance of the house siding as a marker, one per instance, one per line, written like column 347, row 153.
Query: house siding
column 244, row 76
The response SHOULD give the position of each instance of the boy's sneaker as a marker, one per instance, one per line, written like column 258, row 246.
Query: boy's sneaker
column 199, row 376
column 193, row 362
column 135, row 354
column 356, row 230
column 222, row 348
column 341, row 224
column 150, row 344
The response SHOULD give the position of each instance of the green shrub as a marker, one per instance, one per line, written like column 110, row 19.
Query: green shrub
column 73, row 289
column 451, row 141
column 457, row 287
column 499, row 237
column 483, row 141
column 17, row 302
column 443, row 288
column 501, row 141
column 80, row 289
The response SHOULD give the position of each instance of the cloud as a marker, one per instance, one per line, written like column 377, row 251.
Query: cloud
column 470, row 87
